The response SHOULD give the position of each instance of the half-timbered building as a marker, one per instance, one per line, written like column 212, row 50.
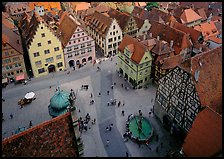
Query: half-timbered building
column 188, row 88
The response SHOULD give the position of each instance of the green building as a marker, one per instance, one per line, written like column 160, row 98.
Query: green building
column 59, row 103
column 134, row 61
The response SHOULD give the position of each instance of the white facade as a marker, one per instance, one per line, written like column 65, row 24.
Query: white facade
column 80, row 49
column 144, row 29
column 39, row 10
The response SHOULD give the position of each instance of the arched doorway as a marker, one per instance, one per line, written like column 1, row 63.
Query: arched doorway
column 121, row 71
column 126, row 76
column 71, row 63
column 51, row 68
column 90, row 58
column 83, row 60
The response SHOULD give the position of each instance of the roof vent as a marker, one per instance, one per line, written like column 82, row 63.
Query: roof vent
column 200, row 63
column 196, row 75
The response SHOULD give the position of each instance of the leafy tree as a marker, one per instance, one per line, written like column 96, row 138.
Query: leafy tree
column 150, row 5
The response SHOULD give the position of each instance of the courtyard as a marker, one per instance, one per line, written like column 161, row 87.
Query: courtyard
column 95, row 137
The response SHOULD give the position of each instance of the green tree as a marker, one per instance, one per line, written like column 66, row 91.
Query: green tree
column 150, row 5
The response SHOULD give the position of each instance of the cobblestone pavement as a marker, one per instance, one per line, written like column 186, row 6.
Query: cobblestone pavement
column 95, row 137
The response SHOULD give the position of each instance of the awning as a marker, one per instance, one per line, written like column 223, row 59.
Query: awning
column 4, row 80
column 20, row 77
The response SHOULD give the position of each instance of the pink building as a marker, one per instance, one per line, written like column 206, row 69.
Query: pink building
column 78, row 46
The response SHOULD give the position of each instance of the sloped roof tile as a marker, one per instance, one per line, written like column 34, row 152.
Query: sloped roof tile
column 194, row 34
column 51, row 138
column 66, row 30
column 167, row 33
column 189, row 16
column 205, row 136
column 138, row 48
column 208, row 29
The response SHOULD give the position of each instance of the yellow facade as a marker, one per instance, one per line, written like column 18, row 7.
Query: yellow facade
column 42, row 64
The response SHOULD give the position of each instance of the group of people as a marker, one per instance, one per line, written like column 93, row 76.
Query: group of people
column 83, row 123
column 109, row 128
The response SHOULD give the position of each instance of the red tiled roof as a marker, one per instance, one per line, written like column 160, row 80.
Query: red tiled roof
column 81, row 6
column 215, row 39
column 103, row 22
column 201, row 12
column 194, row 34
column 138, row 48
column 167, row 33
column 195, row 4
column 209, row 85
column 53, row 138
column 17, row 7
column 66, row 29
column 189, row 16
column 122, row 18
column 205, row 137
column 208, row 29
column 47, row 5
column 209, row 82
column 12, row 38
column 171, row 62
column 159, row 13
column 140, row 12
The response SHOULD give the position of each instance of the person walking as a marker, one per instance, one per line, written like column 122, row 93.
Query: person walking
column 122, row 85
column 108, row 103
column 91, row 95
column 122, row 112
column 112, row 86
column 126, row 154
column 108, row 141
column 94, row 120
column 99, row 94
column 31, row 124
column 108, row 92
column 119, row 103
column 107, row 129
column 123, row 103
column 11, row 115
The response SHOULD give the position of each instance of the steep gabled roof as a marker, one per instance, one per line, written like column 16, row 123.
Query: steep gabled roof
column 201, row 12
column 47, row 5
column 140, row 12
column 100, row 22
column 208, row 29
column 122, row 18
column 51, row 138
column 66, row 29
column 11, row 38
column 137, row 47
column 189, row 16
column 206, row 71
column 205, row 136
column 157, row 12
column 194, row 34
column 167, row 33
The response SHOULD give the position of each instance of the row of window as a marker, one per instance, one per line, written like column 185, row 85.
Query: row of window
column 140, row 73
column 48, row 42
column 10, row 66
column 42, row 70
column 36, row 54
column 76, row 53
column 74, row 41
column 115, row 38
column 47, row 60
column 76, row 47
column 13, row 60
column 12, row 73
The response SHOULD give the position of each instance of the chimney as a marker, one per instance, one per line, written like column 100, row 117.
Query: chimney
column 171, row 44
column 157, row 37
column 150, row 35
